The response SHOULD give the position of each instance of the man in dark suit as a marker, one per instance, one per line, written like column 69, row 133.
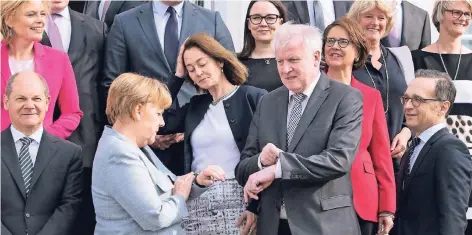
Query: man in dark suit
column 83, row 38
column 412, row 27
column 435, row 177
column 146, row 40
column 315, row 12
column 301, row 144
column 110, row 8
column 41, row 174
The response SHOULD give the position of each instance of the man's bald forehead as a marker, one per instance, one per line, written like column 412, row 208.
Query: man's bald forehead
column 30, row 77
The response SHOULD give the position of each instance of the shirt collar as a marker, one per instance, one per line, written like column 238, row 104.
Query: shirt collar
column 161, row 8
column 65, row 13
column 428, row 133
column 309, row 90
column 17, row 135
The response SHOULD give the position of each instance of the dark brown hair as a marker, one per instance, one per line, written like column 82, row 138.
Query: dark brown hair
column 249, row 43
column 234, row 70
column 356, row 37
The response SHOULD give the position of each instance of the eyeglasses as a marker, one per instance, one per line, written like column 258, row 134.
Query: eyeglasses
column 342, row 42
column 416, row 101
column 269, row 19
column 458, row 14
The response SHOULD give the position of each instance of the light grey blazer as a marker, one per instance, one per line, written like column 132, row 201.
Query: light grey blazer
column 403, row 56
column 133, row 195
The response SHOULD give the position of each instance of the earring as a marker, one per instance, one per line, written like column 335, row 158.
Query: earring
column 10, row 31
column 222, row 70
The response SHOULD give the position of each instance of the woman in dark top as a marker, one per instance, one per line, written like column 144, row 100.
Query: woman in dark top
column 216, row 124
column 262, row 19
column 448, row 55
column 385, row 69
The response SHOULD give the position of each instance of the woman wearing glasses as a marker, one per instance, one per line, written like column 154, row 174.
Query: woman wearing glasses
column 389, row 70
column 373, row 182
column 447, row 54
column 262, row 19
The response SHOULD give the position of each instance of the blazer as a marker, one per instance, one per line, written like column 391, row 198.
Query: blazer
column 315, row 183
column 86, row 52
column 133, row 44
column 54, row 66
column 416, row 28
column 298, row 10
column 435, row 197
column 115, row 8
column 373, row 180
column 56, row 187
column 132, row 190
column 404, row 58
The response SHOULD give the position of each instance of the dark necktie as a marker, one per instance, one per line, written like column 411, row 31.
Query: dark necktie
column 406, row 173
column 26, row 163
column 319, row 16
column 171, row 39
column 54, row 34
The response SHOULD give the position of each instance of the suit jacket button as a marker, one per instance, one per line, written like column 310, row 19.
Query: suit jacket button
column 27, row 215
column 226, row 105
column 232, row 120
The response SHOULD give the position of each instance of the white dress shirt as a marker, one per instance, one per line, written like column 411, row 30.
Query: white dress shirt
column 33, row 147
column 328, row 11
column 65, row 27
column 424, row 137
column 395, row 36
column 161, row 16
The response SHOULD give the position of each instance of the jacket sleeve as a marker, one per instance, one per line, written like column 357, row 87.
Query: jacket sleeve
column 68, row 101
column 64, row 217
column 379, row 149
column 222, row 34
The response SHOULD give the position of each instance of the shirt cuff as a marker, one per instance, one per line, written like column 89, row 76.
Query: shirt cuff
column 278, row 170
column 259, row 164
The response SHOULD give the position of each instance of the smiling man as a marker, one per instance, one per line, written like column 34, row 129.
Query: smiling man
column 435, row 177
column 41, row 173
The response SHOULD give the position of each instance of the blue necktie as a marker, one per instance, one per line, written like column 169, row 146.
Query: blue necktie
column 171, row 39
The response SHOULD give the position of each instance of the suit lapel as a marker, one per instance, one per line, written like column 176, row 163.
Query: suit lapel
column 6, row 72
column 146, row 19
column 408, row 16
column 188, row 21
column 39, row 64
column 282, row 111
column 11, row 160
column 45, row 40
column 77, row 37
column 47, row 150
column 314, row 103
column 91, row 9
column 302, row 9
column 422, row 155
column 113, row 9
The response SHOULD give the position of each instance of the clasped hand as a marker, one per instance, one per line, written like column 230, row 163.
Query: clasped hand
column 183, row 184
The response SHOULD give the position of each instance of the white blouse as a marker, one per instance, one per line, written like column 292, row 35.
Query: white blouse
column 17, row 66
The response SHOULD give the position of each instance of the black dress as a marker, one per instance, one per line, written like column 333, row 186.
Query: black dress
column 262, row 74
column 460, row 119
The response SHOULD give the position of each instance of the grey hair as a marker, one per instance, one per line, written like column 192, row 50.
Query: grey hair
column 440, row 6
column 11, row 80
column 312, row 37
column 445, row 89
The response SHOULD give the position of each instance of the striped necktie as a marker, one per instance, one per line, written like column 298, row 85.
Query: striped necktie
column 295, row 115
column 26, row 163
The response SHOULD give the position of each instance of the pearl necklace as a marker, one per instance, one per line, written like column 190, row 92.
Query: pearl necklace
column 226, row 95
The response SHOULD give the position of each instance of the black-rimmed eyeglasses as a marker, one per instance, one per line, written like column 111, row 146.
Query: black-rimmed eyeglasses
column 342, row 42
column 458, row 14
column 269, row 19
column 417, row 101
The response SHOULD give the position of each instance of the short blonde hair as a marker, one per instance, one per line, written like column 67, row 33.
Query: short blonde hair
column 8, row 10
column 129, row 90
column 440, row 6
column 361, row 6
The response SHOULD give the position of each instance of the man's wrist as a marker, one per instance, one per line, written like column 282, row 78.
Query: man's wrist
column 195, row 181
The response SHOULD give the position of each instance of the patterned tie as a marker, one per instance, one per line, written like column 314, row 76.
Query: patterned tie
column 406, row 174
column 295, row 115
column 319, row 16
column 106, row 5
column 171, row 39
column 26, row 164
column 54, row 34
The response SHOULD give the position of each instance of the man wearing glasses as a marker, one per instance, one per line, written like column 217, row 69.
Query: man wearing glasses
column 435, row 177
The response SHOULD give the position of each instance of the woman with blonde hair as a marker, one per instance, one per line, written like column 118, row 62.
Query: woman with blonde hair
column 133, row 192
column 22, row 27
column 388, row 70
column 216, row 125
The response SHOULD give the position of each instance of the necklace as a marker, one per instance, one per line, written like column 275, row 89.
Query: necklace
column 388, row 78
column 267, row 60
column 444, row 65
column 226, row 95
